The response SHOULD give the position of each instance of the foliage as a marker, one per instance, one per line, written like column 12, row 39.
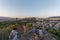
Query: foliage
column 54, row 33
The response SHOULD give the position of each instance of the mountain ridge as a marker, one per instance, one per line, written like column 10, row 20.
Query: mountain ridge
column 6, row 19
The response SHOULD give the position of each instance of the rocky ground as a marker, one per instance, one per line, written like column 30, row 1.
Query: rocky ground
column 33, row 36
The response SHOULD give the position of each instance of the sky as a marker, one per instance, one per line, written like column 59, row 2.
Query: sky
column 29, row 8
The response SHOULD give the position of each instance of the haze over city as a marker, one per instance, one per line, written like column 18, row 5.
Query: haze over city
column 29, row 8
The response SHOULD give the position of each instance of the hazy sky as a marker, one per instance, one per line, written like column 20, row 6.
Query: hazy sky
column 29, row 8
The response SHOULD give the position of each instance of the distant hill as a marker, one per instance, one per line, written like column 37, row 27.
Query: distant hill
column 54, row 17
column 6, row 19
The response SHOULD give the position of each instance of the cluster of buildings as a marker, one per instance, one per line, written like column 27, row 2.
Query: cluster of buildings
column 50, row 22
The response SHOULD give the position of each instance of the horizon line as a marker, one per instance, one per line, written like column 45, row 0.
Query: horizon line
column 27, row 16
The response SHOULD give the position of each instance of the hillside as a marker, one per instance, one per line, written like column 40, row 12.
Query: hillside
column 6, row 19
column 54, row 17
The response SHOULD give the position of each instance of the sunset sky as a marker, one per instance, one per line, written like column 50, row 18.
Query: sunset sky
column 29, row 8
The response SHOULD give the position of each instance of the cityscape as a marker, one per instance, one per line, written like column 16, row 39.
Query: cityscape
column 29, row 19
